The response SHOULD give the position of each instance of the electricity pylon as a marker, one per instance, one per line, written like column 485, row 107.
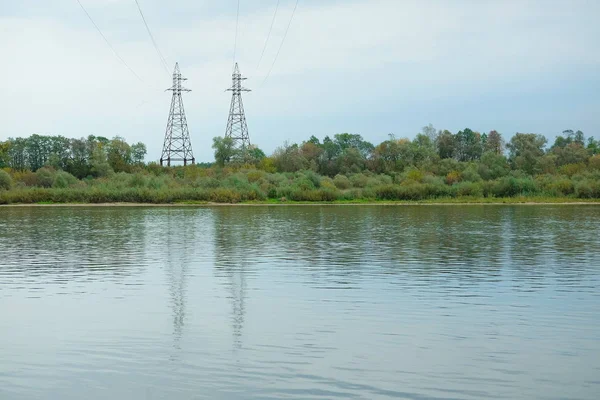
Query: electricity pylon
column 177, row 146
column 236, row 125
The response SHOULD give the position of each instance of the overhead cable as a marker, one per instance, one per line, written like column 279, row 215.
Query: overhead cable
column 268, row 35
column 160, row 56
column 237, row 22
column 281, row 44
column 108, row 43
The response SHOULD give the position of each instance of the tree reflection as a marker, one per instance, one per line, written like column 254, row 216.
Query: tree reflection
column 66, row 244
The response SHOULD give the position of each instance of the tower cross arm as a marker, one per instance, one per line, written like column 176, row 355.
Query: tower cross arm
column 178, row 89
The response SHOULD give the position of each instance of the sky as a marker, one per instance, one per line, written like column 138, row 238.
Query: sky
column 370, row 67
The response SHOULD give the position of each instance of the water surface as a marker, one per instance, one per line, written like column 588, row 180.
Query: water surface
column 354, row 302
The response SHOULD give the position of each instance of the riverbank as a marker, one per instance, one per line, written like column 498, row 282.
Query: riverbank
column 435, row 202
column 258, row 187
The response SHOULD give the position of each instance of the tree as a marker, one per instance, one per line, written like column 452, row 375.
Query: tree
column 253, row 155
column 17, row 154
column 430, row 132
column 224, row 150
column 445, row 144
column 99, row 162
column 4, row 154
column 493, row 165
column 288, row 158
column 5, row 180
column 593, row 146
column 494, row 143
column 422, row 149
column 346, row 141
column 525, row 151
column 138, row 152
column 468, row 145
column 573, row 153
column 118, row 153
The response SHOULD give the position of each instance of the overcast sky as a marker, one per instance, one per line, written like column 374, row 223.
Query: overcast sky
column 371, row 67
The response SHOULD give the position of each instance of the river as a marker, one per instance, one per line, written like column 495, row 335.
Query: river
column 300, row 302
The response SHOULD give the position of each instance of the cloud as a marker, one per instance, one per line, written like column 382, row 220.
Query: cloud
column 366, row 66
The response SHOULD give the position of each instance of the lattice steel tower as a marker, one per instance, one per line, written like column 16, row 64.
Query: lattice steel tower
column 236, row 125
column 177, row 146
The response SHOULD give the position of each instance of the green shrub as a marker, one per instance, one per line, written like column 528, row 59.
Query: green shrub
column 5, row 180
column 511, row 186
column 588, row 189
column 137, row 180
column 342, row 182
column 360, row 180
column 63, row 180
column 470, row 174
column 45, row 177
column 327, row 183
column 223, row 195
column 561, row 187
column 303, row 183
column 469, row 189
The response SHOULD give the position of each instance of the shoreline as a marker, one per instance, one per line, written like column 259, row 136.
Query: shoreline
column 312, row 204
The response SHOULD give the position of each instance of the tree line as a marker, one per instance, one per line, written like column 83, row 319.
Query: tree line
column 432, row 151
column 94, row 156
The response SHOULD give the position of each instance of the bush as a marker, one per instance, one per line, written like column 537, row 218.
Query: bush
column 254, row 175
column 137, row 180
column 561, row 187
column 63, row 180
column 314, row 178
column 304, row 183
column 594, row 162
column 45, row 177
column 223, row 195
column 511, row 186
column 469, row 189
column 588, row 189
column 571, row 169
column 342, row 182
column 5, row 180
column 453, row 177
column 413, row 175
column 471, row 175
column 360, row 180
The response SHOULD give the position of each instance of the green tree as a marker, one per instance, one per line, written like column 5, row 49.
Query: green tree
column 99, row 162
column 494, row 143
column 138, row 153
column 422, row 149
column 5, row 180
column 118, row 154
column 468, row 145
column 526, row 149
column 288, row 158
column 17, row 154
column 445, row 145
column 593, row 146
column 224, row 150
column 573, row 153
column 493, row 165
column 4, row 154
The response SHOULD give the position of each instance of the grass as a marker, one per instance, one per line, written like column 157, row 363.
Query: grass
column 250, row 186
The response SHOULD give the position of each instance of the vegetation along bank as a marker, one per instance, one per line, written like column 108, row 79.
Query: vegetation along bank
column 436, row 166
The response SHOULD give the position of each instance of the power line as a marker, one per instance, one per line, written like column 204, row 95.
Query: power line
column 108, row 43
column 162, row 58
column 268, row 35
column 281, row 45
column 237, row 21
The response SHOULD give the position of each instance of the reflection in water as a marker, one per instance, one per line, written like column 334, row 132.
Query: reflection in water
column 359, row 302
column 75, row 244
column 177, row 261
column 231, row 243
